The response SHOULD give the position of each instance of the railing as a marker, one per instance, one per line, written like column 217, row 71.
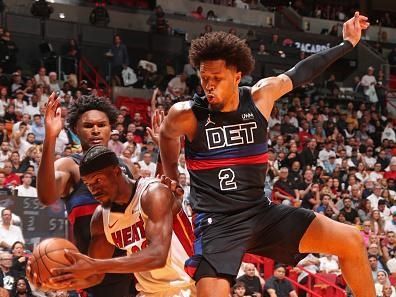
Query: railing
column 317, row 278
column 302, row 287
column 265, row 263
column 87, row 71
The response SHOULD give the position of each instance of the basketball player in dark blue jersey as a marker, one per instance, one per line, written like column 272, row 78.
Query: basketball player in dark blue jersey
column 90, row 118
column 226, row 152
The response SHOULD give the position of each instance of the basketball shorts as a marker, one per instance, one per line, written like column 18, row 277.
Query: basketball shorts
column 221, row 240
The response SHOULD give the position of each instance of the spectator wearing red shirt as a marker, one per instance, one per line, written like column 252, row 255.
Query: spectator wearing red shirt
column 391, row 174
column 11, row 179
column 198, row 14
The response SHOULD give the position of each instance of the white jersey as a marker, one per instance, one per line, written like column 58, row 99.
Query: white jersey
column 127, row 232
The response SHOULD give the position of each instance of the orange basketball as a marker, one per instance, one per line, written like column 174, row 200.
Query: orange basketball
column 48, row 254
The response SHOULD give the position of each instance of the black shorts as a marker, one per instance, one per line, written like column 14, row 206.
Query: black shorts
column 221, row 240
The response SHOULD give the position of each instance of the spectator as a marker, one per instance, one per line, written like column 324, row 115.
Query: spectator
column 157, row 21
column 239, row 290
column 53, row 82
column 26, row 190
column 377, row 223
column 262, row 50
column 391, row 225
column 329, row 264
column 251, row 281
column 9, row 52
column 148, row 165
column 5, row 153
column 72, row 57
column 11, row 179
column 19, row 259
column 309, row 191
column 9, row 233
column 20, row 103
column 389, row 246
column 277, row 285
column 368, row 82
column 177, row 87
column 311, row 264
column 38, row 129
column 376, row 196
column 41, row 78
column 309, row 155
column 283, row 190
column 198, row 13
column 211, row 16
column 139, row 127
column 3, row 131
column 34, row 107
column 388, row 291
column 7, row 276
column 350, row 213
column 22, row 288
column 120, row 57
column 114, row 143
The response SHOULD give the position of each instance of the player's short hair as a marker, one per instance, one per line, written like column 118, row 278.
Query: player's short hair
column 222, row 46
column 97, row 158
column 91, row 102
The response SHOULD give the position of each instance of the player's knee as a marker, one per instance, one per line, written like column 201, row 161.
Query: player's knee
column 353, row 240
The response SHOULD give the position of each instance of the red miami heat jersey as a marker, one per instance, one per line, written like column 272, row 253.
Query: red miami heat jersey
column 227, row 158
column 127, row 231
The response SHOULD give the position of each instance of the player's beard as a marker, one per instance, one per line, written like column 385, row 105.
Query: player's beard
column 216, row 106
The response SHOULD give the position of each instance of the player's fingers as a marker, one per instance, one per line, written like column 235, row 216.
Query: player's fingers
column 71, row 256
column 51, row 97
column 150, row 131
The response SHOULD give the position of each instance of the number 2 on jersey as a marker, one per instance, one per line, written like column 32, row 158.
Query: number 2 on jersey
column 226, row 177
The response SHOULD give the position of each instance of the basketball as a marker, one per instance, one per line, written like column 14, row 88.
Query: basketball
column 49, row 254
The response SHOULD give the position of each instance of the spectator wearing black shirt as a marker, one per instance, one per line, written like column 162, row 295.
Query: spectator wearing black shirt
column 283, row 190
column 350, row 213
column 309, row 191
column 3, row 131
column 251, row 281
column 295, row 174
column 278, row 286
column 309, row 155
column 19, row 260
column 7, row 276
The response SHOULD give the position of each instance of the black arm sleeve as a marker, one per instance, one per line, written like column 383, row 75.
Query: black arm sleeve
column 308, row 69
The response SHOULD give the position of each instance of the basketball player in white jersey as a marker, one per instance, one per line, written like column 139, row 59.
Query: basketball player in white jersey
column 143, row 218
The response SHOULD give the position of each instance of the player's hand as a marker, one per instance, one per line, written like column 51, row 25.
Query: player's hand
column 174, row 186
column 34, row 280
column 53, row 120
column 352, row 29
column 81, row 267
column 156, row 120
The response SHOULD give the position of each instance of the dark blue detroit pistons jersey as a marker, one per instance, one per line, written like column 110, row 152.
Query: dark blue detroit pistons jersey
column 227, row 158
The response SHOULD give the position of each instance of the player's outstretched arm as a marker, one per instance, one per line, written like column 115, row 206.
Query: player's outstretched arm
column 52, row 177
column 176, row 124
column 270, row 89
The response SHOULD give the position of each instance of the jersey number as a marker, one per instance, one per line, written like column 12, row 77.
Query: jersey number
column 226, row 177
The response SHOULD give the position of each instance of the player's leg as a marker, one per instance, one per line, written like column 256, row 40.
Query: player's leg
column 213, row 287
column 330, row 237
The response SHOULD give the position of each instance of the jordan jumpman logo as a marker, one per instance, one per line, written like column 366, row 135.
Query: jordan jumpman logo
column 209, row 121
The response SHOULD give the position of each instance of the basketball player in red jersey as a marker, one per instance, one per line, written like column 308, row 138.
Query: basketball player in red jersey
column 141, row 217
column 226, row 152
